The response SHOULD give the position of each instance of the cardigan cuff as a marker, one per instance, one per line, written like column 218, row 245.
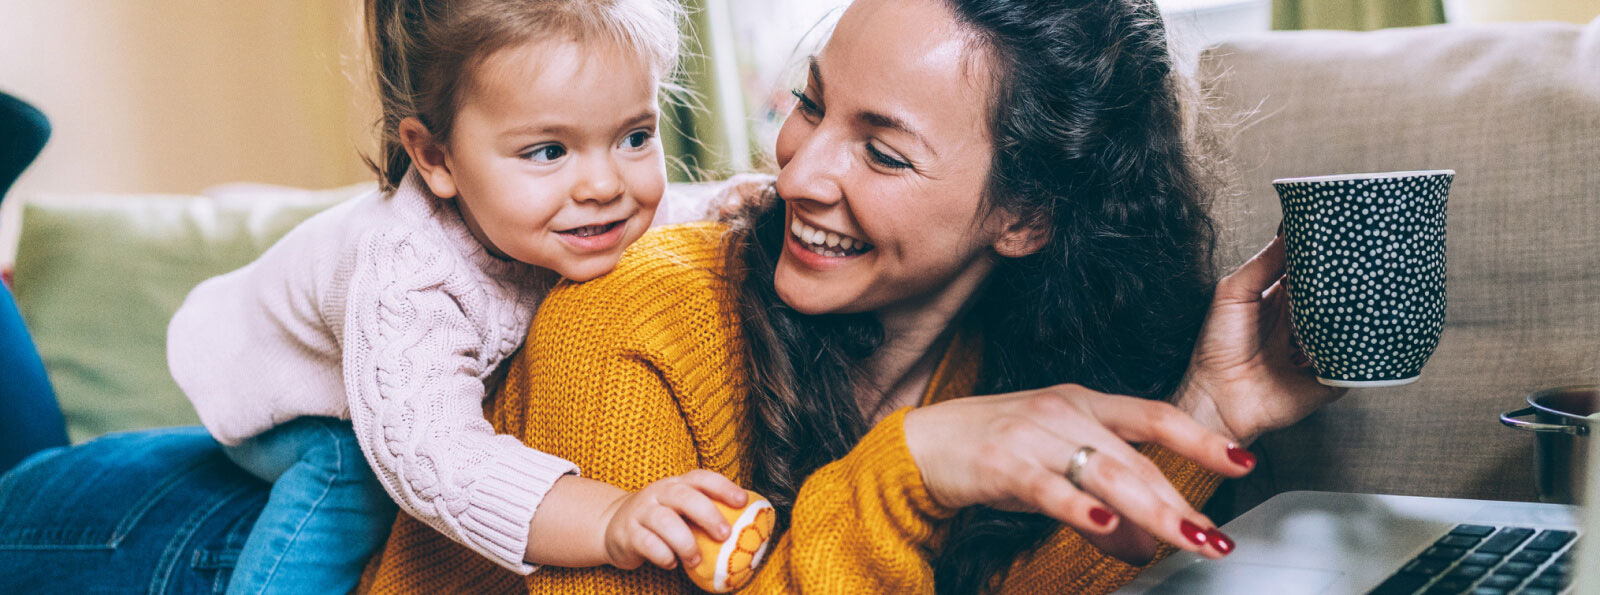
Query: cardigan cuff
column 504, row 500
column 884, row 453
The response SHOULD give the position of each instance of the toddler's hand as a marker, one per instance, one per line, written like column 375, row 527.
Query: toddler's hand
column 652, row 524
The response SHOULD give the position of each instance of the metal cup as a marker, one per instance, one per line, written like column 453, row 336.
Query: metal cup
column 1561, row 426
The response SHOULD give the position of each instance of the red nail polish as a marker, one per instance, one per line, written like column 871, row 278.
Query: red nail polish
column 1100, row 516
column 1193, row 532
column 1240, row 456
column 1220, row 541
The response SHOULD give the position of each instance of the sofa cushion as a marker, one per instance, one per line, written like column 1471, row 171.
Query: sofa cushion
column 1515, row 110
column 98, row 277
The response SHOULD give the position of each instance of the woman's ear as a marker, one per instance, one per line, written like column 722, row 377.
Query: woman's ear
column 1022, row 236
column 428, row 156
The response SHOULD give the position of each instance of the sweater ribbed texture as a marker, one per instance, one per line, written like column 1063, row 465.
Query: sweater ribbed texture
column 643, row 368
column 384, row 310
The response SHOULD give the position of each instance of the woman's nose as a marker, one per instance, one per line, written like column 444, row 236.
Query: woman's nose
column 815, row 171
column 598, row 181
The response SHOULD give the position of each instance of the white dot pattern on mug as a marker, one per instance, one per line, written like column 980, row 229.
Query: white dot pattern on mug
column 1367, row 273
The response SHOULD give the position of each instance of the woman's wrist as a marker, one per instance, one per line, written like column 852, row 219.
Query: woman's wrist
column 918, row 442
column 1199, row 401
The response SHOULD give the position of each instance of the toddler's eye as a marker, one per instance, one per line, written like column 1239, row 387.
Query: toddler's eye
column 636, row 140
column 545, row 153
column 807, row 107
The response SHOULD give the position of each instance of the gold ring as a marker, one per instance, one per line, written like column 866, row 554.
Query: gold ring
column 1080, row 459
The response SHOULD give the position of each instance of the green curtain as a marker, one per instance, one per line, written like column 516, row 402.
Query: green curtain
column 693, row 136
column 1358, row 15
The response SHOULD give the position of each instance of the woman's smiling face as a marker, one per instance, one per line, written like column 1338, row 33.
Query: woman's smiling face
column 885, row 160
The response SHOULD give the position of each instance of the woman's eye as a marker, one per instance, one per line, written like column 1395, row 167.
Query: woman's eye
column 806, row 106
column 884, row 159
column 637, row 140
column 545, row 153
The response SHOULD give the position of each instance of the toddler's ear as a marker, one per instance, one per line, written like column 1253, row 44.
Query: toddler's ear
column 428, row 156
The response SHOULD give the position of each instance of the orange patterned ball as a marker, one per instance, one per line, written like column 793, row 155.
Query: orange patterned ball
column 728, row 565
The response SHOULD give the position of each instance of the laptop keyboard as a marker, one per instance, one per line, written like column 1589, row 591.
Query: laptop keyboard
column 1485, row 560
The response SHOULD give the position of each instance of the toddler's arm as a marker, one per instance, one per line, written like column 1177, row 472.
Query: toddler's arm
column 413, row 377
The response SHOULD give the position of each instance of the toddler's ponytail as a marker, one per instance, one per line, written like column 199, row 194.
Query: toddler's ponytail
column 390, row 38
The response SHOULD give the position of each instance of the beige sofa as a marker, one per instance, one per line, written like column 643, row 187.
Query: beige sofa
column 1515, row 110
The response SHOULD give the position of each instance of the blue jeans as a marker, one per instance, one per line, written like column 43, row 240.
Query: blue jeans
column 32, row 421
column 154, row 511
column 326, row 516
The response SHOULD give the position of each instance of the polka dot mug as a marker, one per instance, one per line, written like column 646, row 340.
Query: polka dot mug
column 1366, row 272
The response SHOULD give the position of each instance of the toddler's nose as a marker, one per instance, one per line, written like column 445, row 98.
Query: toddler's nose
column 598, row 181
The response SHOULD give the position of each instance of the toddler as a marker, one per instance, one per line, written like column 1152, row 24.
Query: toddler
column 348, row 364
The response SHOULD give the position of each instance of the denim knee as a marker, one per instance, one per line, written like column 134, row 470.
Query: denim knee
column 160, row 511
column 326, row 444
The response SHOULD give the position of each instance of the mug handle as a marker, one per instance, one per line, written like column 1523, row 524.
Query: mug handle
column 1509, row 418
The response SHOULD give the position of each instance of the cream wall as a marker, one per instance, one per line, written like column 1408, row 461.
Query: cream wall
column 178, row 95
column 1485, row 11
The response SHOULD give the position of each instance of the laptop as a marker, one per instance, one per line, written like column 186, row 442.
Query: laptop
column 1326, row 543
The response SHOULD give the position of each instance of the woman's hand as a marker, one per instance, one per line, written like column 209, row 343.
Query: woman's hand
column 1247, row 375
column 1013, row 452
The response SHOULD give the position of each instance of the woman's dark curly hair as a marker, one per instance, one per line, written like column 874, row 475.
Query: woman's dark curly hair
column 1094, row 145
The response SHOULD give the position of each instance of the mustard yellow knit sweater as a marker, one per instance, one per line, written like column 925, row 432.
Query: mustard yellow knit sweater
column 636, row 376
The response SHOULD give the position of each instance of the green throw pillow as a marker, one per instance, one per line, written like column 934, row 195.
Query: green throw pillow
column 98, row 276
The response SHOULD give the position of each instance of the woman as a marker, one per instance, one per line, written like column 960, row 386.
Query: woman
column 976, row 197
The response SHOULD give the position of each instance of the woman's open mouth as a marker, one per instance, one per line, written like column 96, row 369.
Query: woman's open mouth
column 826, row 243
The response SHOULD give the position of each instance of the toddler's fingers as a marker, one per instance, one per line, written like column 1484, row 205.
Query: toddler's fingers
column 717, row 486
column 649, row 546
column 672, row 531
column 697, row 507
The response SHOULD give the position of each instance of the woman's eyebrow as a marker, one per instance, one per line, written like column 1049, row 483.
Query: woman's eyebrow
column 873, row 119
column 877, row 120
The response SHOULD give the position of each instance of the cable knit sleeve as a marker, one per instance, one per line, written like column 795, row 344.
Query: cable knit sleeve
column 414, row 369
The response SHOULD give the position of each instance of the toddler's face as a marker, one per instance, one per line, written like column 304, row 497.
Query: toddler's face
column 554, row 156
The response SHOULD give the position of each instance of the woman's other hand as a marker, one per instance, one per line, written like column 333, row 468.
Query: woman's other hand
column 1014, row 451
column 1248, row 376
